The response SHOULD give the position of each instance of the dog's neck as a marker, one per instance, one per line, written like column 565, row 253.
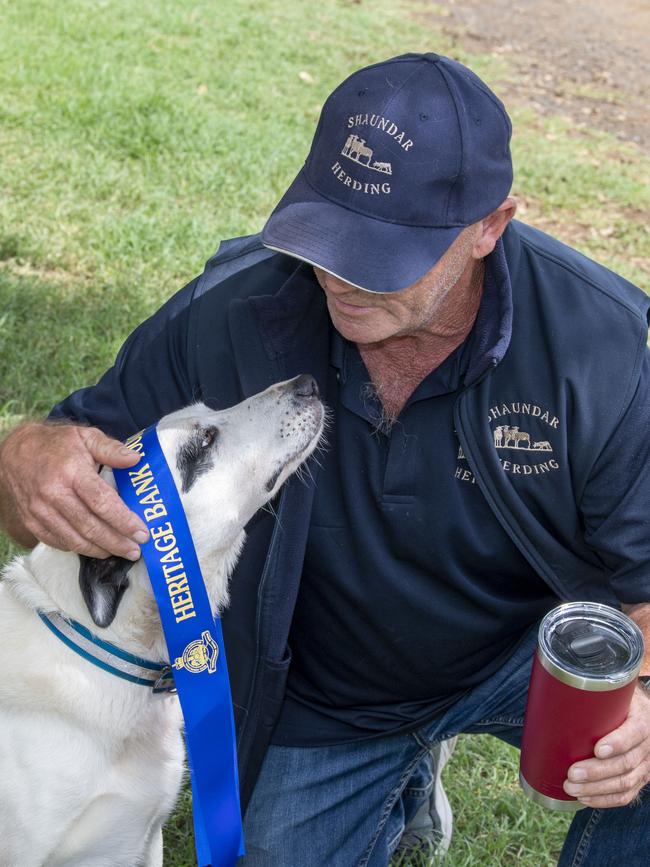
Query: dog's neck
column 47, row 579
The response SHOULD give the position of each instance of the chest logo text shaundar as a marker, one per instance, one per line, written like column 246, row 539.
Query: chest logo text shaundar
column 523, row 435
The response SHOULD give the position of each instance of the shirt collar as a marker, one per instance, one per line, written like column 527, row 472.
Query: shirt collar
column 493, row 327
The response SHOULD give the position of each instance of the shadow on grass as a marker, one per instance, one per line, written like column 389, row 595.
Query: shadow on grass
column 56, row 336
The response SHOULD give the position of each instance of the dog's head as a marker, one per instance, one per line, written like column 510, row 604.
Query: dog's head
column 226, row 465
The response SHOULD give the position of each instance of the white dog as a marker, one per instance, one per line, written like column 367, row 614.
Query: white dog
column 91, row 764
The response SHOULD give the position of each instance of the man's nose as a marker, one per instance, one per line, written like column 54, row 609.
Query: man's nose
column 337, row 286
column 331, row 284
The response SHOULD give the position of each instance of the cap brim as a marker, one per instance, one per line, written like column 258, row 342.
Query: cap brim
column 372, row 254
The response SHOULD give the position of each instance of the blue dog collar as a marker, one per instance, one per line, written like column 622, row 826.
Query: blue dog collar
column 156, row 675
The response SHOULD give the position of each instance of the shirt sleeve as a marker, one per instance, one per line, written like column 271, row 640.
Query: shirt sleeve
column 616, row 502
column 153, row 374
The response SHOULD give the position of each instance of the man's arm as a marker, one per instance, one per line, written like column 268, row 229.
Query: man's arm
column 640, row 614
column 616, row 506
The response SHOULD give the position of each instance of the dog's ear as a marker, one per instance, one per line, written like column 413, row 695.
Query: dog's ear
column 103, row 583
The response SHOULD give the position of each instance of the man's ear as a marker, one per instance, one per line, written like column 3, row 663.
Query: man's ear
column 103, row 583
column 493, row 226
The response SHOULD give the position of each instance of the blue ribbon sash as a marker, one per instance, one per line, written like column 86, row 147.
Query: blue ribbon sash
column 196, row 651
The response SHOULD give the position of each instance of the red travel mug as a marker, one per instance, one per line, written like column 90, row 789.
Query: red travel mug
column 584, row 673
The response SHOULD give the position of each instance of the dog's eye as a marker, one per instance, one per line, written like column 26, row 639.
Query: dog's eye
column 208, row 436
column 196, row 455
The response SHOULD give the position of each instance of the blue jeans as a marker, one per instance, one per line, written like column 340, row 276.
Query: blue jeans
column 346, row 805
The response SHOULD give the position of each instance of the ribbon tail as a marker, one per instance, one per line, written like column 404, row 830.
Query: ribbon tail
column 203, row 856
column 219, row 827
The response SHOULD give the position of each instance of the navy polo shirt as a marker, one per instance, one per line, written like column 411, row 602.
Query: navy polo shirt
column 411, row 592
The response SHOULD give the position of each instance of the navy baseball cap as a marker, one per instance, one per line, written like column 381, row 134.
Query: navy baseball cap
column 406, row 154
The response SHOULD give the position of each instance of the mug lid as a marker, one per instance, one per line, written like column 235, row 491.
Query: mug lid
column 590, row 646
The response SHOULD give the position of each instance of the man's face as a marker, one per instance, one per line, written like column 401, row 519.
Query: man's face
column 368, row 317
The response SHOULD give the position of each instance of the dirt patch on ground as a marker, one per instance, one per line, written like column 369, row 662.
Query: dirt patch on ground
column 586, row 60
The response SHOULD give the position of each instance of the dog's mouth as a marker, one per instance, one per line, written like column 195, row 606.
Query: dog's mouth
column 311, row 428
column 272, row 482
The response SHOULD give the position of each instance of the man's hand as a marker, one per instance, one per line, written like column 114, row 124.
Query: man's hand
column 622, row 764
column 50, row 491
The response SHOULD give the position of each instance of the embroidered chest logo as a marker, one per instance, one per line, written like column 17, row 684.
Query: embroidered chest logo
column 506, row 437
column 357, row 150
column 523, row 435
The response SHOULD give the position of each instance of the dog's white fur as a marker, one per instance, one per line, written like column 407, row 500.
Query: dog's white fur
column 90, row 764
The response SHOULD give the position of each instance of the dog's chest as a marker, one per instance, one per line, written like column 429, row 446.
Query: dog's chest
column 93, row 800
column 98, row 761
column 133, row 800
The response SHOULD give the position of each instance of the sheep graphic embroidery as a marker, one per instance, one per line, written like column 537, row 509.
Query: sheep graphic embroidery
column 506, row 437
column 355, row 148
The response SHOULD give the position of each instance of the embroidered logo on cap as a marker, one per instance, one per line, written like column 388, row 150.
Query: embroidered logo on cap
column 384, row 124
column 355, row 148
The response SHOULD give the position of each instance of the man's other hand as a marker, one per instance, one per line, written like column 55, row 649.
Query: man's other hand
column 621, row 766
column 50, row 491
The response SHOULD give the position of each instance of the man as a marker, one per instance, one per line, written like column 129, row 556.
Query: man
column 487, row 458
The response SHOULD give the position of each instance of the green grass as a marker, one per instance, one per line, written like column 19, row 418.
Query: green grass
column 135, row 136
column 494, row 823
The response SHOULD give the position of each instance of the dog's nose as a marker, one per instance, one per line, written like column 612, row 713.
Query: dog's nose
column 305, row 386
